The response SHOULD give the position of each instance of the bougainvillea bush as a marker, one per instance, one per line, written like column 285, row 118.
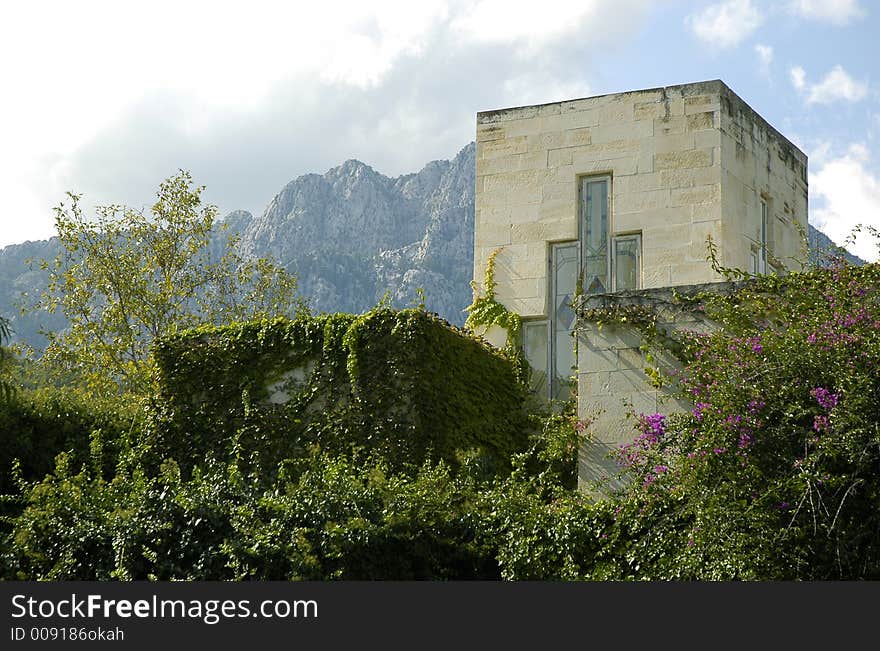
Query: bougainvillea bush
column 775, row 473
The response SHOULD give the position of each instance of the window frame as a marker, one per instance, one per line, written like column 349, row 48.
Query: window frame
column 546, row 324
column 612, row 254
column 582, row 180
column 555, row 247
column 763, row 239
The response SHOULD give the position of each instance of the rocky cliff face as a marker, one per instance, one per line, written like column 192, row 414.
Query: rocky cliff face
column 351, row 235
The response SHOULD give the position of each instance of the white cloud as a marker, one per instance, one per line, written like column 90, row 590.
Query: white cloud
column 798, row 77
column 535, row 23
column 725, row 24
column 838, row 12
column 834, row 86
column 848, row 192
column 765, row 58
column 110, row 97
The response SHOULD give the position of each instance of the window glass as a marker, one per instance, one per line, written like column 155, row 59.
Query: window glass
column 626, row 262
column 564, row 270
column 762, row 244
column 536, row 350
column 594, row 224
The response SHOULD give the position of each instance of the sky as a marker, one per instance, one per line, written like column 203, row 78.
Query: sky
column 107, row 99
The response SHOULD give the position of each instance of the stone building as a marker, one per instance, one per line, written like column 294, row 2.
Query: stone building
column 619, row 193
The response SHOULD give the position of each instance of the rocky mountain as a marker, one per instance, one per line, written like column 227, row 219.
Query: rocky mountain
column 351, row 235
column 821, row 247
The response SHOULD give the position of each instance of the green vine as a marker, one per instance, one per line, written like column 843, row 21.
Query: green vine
column 486, row 311
column 402, row 384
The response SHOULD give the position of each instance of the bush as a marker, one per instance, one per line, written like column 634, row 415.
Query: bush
column 775, row 474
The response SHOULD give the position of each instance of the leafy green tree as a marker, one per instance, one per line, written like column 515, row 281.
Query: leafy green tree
column 5, row 383
column 127, row 277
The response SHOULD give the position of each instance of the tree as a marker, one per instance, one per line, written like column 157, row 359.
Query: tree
column 125, row 278
column 5, row 384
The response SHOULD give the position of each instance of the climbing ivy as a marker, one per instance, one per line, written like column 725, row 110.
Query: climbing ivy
column 404, row 385
column 486, row 311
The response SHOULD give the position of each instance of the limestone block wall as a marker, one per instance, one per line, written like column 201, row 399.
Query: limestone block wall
column 686, row 162
column 662, row 150
column 613, row 388
column 757, row 163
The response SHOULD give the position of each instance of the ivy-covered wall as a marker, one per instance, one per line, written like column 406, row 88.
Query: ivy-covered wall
column 405, row 385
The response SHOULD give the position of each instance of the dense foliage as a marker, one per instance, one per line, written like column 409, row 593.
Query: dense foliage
column 774, row 474
column 404, row 386
column 6, row 386
column 126, row 277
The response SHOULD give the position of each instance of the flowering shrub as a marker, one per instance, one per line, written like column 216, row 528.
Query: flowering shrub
column 775, row 472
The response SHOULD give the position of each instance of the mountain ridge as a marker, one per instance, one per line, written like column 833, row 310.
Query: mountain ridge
column 352, row 235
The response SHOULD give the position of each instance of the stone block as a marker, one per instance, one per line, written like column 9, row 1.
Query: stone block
column 695, row 195
column 563, row 174
column 630, row 381
column 701, row 104
column 525, row 213
column 529, row 160
column 562, row 213
column 623, row 131
column 499, row 215
column 630, row 359
column 527, row 307
column 606, row 150
column 489, row 132
column 663, row 237
column 685, row 159
column 594, row 383
column 653, row 218
column 577, row 137
column 520, row 127
column 644, row 162
column 489, row 234
column 523, row 288
column 679, row 142
column 707, row 138
column 653, row 274
column 649, row 110
column 616, row 111
column 559, row 157
column 622, row 166
column 559, row 191
column 693, row 273
column 640, row 201
column 609, row 336
column 699, row 234
column 637, row 183
column 674, row 106
column 503, row 148
column 669, row 126
column 597, row 360
column 690, row 177
column 700, row 121
column 545, row 231
column 578, row 105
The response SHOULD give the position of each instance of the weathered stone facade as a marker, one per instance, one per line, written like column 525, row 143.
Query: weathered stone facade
column 678, row 165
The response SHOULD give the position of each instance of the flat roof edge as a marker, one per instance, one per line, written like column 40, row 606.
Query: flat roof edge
column 715, row 84
column 691, row 88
